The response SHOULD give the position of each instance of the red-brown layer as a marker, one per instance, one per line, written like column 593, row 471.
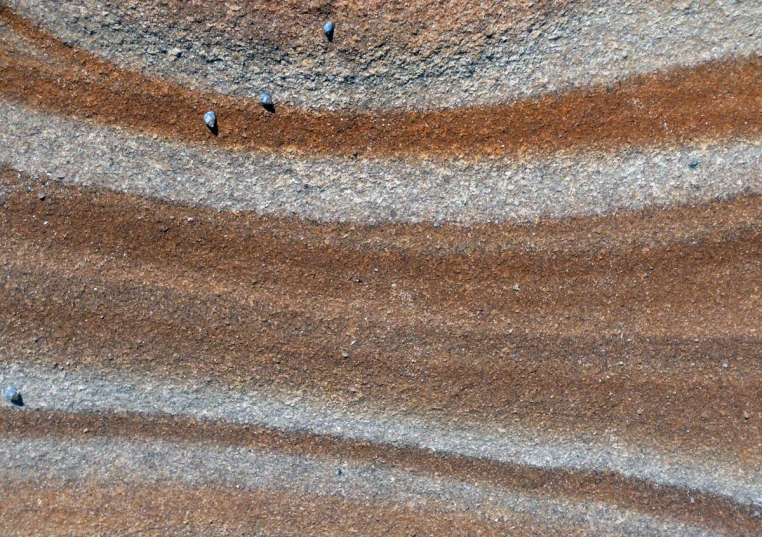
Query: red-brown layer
column 179, row 509
column 644, row 324
column 557, row 486
column 713, row 101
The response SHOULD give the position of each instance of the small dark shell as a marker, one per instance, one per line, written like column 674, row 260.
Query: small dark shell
column 328, row 29
column 13, row 395
column 210, row 118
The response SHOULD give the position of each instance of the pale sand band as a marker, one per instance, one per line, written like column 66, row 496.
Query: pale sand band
column 379, row 190
column 85, row 391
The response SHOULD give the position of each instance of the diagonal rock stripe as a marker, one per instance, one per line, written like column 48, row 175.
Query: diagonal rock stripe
column 629, row 496
column 158, row 462
column 89, row 391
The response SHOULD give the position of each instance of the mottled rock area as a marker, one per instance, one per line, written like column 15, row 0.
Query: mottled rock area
column 475, row 269
column 611, row 362
column 406, row 55
column 685, row 135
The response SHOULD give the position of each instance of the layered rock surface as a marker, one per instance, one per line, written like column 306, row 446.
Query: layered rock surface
column 484, row 268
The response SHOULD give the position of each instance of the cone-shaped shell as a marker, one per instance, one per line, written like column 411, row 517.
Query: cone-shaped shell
column 328, row 30
column 13, row 395
column 210, row 118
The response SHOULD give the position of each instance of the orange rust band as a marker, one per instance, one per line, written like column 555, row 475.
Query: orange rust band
column 266, row 302
column 90, row 508
column 713, row 101
column 626, row 493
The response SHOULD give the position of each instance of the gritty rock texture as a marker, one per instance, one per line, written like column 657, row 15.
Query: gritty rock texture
column 643, row 461
column 482, row 268
column 455, row 354
column 165, row 463
column 402, row 55
column 398, row 190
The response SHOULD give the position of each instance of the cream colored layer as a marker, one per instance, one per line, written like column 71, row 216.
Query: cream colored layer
column 401, row 190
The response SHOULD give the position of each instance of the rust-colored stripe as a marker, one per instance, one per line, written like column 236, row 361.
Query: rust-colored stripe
column 703, row 510
column 180, row 509
column 627, row 328
column 713, row 101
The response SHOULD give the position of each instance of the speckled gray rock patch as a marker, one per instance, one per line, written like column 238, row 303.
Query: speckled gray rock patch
column 582, row 44
column 382, row 190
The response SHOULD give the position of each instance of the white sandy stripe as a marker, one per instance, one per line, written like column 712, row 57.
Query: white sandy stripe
column 119, row 461
column 91, row 391
column 371, row 191
column 586, row 43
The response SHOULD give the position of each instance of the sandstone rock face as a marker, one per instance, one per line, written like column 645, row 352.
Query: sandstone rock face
column 470, row 268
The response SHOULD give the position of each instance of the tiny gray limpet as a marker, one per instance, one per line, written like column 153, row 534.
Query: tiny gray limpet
column 210, row 118
column 328, row 29
column 13, row 395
